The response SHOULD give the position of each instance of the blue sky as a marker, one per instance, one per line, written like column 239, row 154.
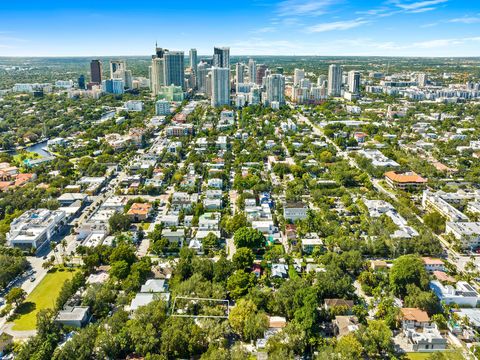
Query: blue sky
column 249, row 27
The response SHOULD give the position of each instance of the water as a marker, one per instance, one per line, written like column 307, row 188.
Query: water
column 39, row 148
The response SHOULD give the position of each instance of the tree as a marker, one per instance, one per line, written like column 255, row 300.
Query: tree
column 210, row 242
column 124, row 252
column 16, row 295
column 435, row 221
column 348, row 347
column 243, row 258
column 222, row 269
column 246, row 321
column 407, row 269
column 120, row 269
column 235, row 222
column 119, row 222
column 239, row 283
column 425, row 300
column 248, row 237
column 376, row 339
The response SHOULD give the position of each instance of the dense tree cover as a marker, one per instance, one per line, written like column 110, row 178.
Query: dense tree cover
column 407, row 270
column 249, row 237
column 119, row 222
column 12, row 264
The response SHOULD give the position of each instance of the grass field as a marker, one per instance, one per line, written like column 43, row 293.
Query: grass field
column 42, row 297
column 418, row 356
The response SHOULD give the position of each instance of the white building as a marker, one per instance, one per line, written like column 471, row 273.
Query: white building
column 220, row 86
column 35, row 228
column 275, row 89
column 133, row 105
column 334, row 80
column 462, row 295
column 295, row 211
column 468, row 233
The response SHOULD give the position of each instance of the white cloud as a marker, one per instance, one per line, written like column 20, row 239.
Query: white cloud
column 304, row 7
column 465, row 20
column 267, row 29
column 419, row 4
column 444, row 43
column 336, row 25
column 417, row 11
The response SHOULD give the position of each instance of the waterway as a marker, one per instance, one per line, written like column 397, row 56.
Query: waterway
column 40, row 148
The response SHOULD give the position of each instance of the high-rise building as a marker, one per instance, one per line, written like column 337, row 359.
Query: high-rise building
column 203, row 69
column 96, row 71
column 252, row 71
column 128, row 79
column 193, row 60
column 117, row 67
column 334, row 80
column 298, row 75
column 239, row 74
column 321, row 80
column 174, row 72
column 221, row 57
column 159, row 52
column 261, row 70
column 422, row 79
column 113, row 86
column 81, row 82
column 354, row 82
column 275, row 89
column 156, row 75
column 220, row 86
column 194, row 65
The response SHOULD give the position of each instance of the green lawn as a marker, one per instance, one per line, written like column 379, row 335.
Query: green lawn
column 418, row 356
column 42, row 297
column 146, row 226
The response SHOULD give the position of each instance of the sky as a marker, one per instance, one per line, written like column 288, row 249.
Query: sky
column 249, row 27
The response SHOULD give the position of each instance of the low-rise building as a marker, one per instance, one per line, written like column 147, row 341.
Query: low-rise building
column 295, row 211
column 468, row 233
column 140, row 211
column 35, row 228
column 405, row 181
column 76, row 316
column 463, row 294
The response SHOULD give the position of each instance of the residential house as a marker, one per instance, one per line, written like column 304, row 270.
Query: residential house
column 140, row 211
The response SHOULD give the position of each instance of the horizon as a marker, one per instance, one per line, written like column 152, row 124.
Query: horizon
column 391, row 28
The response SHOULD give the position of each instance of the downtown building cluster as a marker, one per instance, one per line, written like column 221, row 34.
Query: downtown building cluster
column 214, row 78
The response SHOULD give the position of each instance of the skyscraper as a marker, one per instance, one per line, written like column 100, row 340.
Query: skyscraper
column 203, row 69
column 422, row 80
column 81, row 82
column 220, row 86
column 194, row 65
column 252, row 71
column 117, row 67
column 334, row 80
column 221, row 57
column 275, row 89
column 156, row 75
column 261, row 70
column 96, row 71
column 298, row 76
column 354, row 82
column 239, row 74
column 174, row 71
column 193, row 60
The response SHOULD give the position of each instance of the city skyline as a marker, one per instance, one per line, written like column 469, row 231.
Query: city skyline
column 427, row 28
